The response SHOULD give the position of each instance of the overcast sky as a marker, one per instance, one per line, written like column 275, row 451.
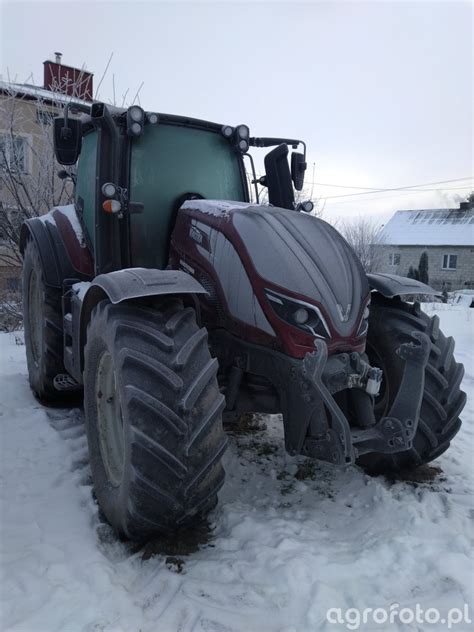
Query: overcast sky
column 381, row 91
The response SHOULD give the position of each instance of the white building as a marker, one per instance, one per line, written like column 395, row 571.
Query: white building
column 447, row 235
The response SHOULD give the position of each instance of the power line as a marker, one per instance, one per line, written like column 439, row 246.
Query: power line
column 466, row 186
column 404, row 188
column 368, row 189
column 393, row 195
column 383, row 197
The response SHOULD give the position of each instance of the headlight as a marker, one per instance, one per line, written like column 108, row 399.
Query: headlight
column 152, row 118
column 135, row 120
column 300, row 314
column 136, row 113
column 243, row 146
column 227, row 131
column 136, row 129
column 243, row 131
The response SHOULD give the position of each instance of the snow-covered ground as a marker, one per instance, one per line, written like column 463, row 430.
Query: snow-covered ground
column 288, row 541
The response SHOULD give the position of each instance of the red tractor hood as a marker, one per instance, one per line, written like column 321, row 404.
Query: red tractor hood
column 287, row 252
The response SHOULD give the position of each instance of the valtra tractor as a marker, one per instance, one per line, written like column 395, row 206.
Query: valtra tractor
column 170, row 296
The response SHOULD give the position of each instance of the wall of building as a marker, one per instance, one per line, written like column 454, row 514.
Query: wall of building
column 31, row 120
column 461, row 278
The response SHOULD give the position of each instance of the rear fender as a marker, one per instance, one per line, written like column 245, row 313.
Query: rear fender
column 391, row 285
column 62, row 249
column 128, row 284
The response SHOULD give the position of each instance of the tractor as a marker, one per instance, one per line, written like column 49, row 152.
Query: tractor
column 169, row 296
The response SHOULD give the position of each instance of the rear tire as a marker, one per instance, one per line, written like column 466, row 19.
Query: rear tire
column 391, row 323
column 156, row 455
column 42, row 318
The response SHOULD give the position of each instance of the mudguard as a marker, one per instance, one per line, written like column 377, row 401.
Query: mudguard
column 123, row 285
column 129, row 283
column 390, row 285
column 61, row 246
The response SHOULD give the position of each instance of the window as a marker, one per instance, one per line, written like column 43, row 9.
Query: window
column 450, row 262
column 394, row 259
column 166, row 162
column 86, row 183
column 13, row 152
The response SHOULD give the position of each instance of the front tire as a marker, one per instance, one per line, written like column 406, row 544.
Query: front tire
column 391, row 323
column 153, row 417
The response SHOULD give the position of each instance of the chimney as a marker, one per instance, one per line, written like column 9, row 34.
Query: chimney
column 74, row 82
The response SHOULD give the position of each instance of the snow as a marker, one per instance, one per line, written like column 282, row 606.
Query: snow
column 47, row 218
column 286, row 544
column 462, row 297
column 220, row 208
column 39, row 93
column 436, row 227
column 81, row 289
column 69, row 211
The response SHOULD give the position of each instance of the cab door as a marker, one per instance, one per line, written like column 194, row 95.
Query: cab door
column 167, row 161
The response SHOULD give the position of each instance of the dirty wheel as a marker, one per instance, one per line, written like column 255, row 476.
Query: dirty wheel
column 42, row 317
column 153, row 417
column 391, row 323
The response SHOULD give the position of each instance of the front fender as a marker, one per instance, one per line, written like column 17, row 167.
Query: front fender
column 132, row 283
column 129, row 283
column 390, row 285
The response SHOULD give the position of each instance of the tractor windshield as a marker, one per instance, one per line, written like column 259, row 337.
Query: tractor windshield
column 167, row 162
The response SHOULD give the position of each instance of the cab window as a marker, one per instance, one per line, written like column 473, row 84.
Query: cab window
column 168, row 161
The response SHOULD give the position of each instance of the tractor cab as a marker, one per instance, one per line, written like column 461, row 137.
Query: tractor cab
column 135, row 169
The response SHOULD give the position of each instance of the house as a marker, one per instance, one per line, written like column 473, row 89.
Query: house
column 447, row 236
column 28, row 178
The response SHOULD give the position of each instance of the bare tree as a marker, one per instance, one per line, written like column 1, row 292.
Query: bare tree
column 29, row 184
column 365, row 237
column 28, row 174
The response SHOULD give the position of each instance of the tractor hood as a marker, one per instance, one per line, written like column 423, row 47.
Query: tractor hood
column 285, row 251
column 308, row 257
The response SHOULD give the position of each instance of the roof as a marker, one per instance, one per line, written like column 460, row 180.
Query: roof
column 431, row 227
column 37, row 93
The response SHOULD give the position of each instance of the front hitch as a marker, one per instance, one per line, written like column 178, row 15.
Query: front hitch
column 333, row 439
column 396, row 431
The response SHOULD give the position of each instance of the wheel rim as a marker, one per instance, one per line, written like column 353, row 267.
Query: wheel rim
column 110, row 420
column 34, row 311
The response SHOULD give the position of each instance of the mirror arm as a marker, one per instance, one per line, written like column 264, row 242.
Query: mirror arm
column 264, row 141
column 82, row 107
column 304, row 149
column 66, row 132
column 254, row 180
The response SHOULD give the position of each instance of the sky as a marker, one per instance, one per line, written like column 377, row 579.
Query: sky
column 382, row 92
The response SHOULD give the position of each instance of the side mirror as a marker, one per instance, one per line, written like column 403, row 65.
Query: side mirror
column 298, row 167
column 278, row 178
column 67, row 140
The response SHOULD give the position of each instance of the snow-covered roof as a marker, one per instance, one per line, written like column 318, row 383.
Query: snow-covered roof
column 431, row 227
column 36, row 92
